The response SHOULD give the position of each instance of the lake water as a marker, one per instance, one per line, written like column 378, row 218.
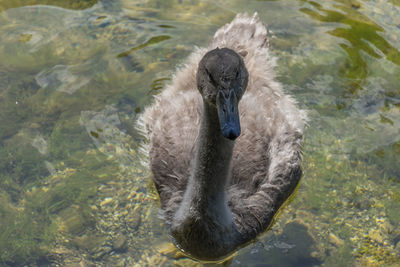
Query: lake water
column 74, row 75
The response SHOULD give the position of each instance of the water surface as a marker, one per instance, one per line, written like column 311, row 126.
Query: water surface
column 75, row 74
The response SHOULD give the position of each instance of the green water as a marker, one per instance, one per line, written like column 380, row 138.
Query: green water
column 75, row 74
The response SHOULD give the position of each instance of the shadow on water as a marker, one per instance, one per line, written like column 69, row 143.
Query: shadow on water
column 361, row 35
column 292, row 247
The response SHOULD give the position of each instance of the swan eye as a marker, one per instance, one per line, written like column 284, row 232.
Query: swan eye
column 211, row 78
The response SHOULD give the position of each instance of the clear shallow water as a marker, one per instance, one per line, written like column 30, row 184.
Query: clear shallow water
column 74, row 75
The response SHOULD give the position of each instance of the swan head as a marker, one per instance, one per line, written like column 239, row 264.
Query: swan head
column 222, row 80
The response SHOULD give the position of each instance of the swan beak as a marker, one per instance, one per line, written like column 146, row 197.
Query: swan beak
column 228, row 114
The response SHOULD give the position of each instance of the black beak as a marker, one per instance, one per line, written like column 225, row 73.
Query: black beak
column 228, row 114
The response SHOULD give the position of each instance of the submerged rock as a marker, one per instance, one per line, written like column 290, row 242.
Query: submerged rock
column 120, row 243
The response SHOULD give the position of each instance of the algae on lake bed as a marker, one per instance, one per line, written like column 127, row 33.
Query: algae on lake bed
column 73, row 190
column 72, row 4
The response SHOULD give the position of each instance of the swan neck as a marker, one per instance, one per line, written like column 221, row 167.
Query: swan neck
column 206, row 189
column 214, row 152
column 203, row 225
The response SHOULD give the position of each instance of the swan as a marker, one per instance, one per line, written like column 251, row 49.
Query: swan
column 224, row 143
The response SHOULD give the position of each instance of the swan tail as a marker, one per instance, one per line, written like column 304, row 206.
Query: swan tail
column 244, row 33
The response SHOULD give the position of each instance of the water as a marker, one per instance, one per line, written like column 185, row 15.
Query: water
column 75, row 74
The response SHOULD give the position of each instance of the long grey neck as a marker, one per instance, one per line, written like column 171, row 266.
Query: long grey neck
column 210, row 174
column 214, row 152
column 207, row 182
column 203, row 222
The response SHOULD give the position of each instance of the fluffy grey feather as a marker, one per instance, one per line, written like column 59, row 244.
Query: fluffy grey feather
column 263, row 167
